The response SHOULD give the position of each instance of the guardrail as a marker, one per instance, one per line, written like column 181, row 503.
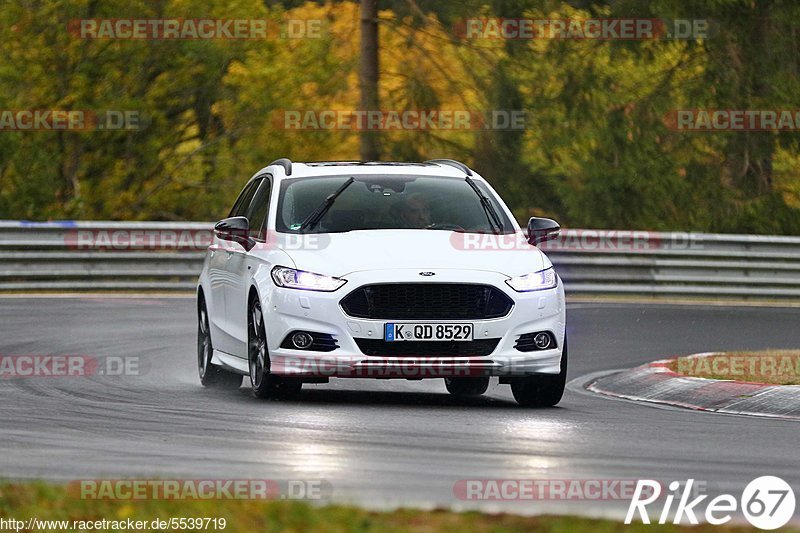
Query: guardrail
column 167, row 256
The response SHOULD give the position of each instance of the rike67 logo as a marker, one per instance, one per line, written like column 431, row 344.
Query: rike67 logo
column 767, row 502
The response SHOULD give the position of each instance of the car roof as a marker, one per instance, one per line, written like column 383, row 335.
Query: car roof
column 361, row 168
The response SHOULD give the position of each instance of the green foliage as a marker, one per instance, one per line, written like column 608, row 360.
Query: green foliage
column 596, row 150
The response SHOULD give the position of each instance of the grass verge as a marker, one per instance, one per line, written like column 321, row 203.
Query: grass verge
column 22, row 501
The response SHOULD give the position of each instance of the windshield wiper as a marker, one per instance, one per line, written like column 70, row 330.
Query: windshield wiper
column 314, row 218
column 488, row 208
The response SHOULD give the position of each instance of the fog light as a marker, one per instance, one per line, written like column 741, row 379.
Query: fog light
column 302, row 340
column 542, row 340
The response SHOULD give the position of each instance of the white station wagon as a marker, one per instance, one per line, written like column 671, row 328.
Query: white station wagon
column 383, row 270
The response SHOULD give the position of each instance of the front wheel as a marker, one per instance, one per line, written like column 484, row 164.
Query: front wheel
column 265, row 384
column 541, row 390
column 466, row 387
column 211, row 375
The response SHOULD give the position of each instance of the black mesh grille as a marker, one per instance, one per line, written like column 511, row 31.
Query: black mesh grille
column 427, row 301
column 478, row 348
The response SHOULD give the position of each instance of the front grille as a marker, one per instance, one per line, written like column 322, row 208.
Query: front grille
column 477, row 348
column 427, row 301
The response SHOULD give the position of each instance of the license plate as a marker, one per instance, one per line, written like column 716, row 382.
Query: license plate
column 427, row 332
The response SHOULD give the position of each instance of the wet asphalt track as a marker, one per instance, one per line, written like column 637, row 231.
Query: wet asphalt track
column 378, row 443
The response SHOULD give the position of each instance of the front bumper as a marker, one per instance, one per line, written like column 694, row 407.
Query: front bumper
column 290, row 310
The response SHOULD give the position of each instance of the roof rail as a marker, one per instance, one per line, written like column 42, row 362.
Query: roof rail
column 453, row 163
column 285, row 162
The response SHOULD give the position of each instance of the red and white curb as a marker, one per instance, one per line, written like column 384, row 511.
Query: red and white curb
column 656, row 383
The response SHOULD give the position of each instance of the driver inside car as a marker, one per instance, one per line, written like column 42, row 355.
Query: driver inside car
column 413, row 212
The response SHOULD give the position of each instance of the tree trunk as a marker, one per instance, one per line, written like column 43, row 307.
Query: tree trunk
column 368, row 77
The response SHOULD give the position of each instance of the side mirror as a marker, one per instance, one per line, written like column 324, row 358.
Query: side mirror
column 542, row 229
column 235, row 229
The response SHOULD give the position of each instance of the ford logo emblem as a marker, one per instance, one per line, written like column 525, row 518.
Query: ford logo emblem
column 427, row 273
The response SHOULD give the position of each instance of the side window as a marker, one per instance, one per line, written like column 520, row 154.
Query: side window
column 243, row 202
column 257, row 213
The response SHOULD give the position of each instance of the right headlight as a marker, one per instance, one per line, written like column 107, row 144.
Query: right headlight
column 535, row 281
column 292, row 278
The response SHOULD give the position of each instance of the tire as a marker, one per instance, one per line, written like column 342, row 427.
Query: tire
column 211, row 375
column 466, row 387
column 265, row 385
column 541, row 390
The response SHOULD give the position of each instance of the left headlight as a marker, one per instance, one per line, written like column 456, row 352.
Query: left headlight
column 535, row 281
column 308, row 281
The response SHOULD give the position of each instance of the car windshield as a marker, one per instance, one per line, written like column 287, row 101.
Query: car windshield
column 388, row 202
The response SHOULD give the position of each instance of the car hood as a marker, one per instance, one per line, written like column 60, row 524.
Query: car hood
column 339, row 254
